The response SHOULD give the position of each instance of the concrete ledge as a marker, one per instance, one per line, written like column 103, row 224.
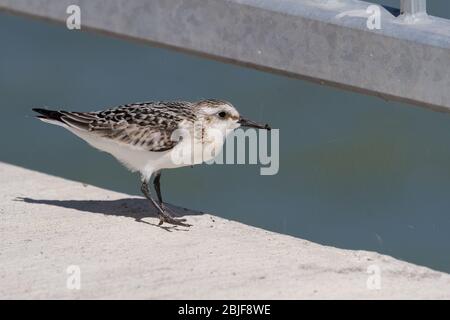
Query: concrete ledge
column 48, row 223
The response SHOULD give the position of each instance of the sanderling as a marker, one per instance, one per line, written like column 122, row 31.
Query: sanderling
column 141, row 136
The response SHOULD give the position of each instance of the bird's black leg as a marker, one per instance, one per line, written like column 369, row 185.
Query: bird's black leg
column 157, row 185
column 163, row 215
column 146, row 192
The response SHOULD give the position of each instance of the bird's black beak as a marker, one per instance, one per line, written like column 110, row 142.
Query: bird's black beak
column 251, row 124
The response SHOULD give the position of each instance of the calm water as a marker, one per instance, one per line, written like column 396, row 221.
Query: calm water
column 356, row 172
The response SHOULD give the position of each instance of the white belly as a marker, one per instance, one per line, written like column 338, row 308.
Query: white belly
column 135, row 159
column 186, row 153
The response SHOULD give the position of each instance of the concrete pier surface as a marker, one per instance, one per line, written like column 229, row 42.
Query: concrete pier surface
column 61, row 239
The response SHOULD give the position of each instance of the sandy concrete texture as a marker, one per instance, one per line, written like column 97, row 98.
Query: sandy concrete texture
column 51, row 228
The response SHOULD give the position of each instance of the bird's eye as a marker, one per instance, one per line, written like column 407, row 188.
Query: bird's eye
column 222, row 114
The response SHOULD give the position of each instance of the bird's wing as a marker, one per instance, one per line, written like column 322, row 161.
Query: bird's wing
column 147, row 126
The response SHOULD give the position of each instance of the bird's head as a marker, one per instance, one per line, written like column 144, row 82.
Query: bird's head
column 222, row 115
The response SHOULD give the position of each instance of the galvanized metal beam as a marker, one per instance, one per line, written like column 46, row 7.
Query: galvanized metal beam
column 334, row 42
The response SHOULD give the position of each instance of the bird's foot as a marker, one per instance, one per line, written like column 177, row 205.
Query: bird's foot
column 164, row 216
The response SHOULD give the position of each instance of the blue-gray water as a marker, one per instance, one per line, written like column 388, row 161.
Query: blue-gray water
column 356, row 172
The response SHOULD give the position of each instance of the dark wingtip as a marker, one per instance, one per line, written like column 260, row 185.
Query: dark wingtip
column 49, row 114
column 41, row 111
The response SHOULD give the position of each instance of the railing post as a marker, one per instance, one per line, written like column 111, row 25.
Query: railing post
column 413, row 7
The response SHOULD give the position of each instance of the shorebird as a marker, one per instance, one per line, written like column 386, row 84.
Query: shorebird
column 145, row 136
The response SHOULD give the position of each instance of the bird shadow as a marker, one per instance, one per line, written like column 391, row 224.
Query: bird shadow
column 136, row 208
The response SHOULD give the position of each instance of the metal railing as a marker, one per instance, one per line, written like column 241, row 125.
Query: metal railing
column 350, row 44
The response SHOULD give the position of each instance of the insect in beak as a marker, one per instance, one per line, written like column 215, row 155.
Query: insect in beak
column 251, row 124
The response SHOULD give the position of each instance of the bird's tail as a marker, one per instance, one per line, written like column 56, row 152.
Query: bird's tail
column 50, row 116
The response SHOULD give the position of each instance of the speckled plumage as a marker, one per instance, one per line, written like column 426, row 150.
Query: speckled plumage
column 146, row 125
